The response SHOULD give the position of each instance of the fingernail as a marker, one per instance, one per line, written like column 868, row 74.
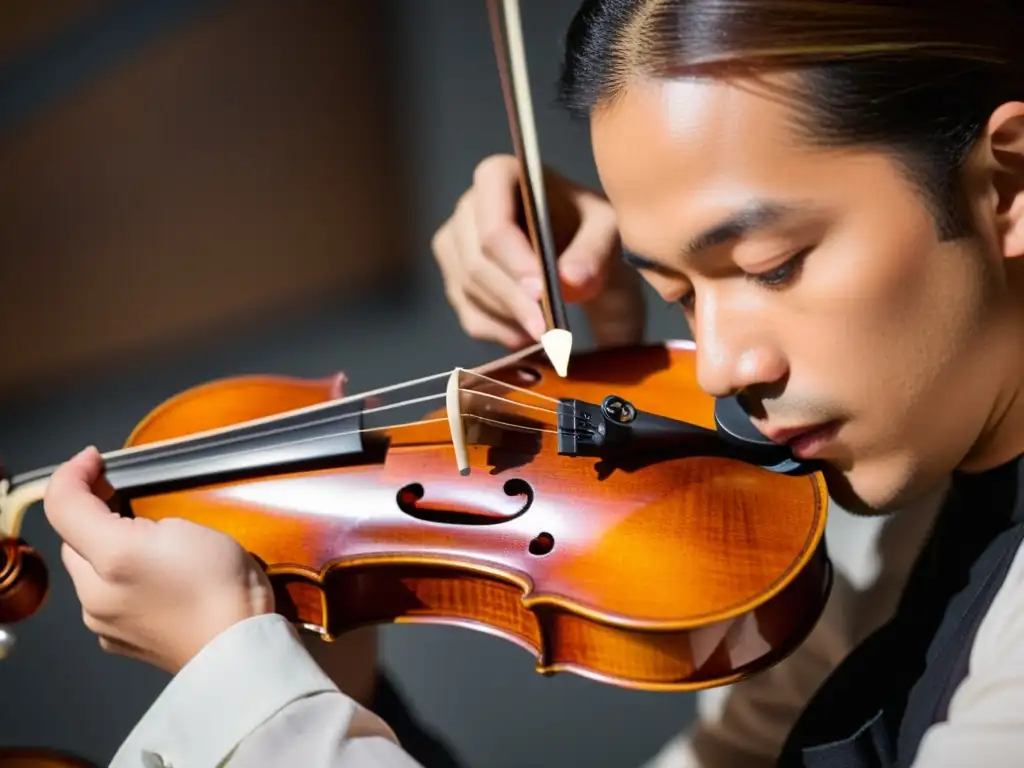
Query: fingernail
column 338, row 385
column 576, row 273
column 534, row 286
column 535, row 327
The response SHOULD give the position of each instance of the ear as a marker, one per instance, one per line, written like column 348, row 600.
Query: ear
column 1006, row 142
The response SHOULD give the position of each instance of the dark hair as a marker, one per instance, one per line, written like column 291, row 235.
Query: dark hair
column 917, row 78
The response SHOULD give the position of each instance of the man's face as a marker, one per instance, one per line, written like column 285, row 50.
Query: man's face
column 827, row 296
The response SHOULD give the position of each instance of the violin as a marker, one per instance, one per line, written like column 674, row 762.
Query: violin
column 612, row 519
column 609, row 517
column 603, row 520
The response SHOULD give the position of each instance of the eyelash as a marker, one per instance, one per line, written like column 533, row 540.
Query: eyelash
column 782, row 274
column 774, row 279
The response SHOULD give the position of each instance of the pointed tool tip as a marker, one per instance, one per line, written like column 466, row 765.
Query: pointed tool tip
column 557, row 345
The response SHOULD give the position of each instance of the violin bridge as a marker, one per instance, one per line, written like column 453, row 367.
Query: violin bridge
column 453, row 404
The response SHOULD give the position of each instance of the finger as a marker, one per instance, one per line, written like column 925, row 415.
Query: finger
column 339, row 383
column 74, row 510
column 92, row 591
column 102, row 489
column 496, row 199
column 491, row 287
column 481, row 324
column 468, row 294
column 583, row 265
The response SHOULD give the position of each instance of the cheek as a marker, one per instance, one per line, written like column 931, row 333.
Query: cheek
column 892, row 312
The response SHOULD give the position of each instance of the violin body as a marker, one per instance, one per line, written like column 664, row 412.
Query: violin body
column 679, row 574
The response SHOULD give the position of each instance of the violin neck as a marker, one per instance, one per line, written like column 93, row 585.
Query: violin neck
column 294, row 441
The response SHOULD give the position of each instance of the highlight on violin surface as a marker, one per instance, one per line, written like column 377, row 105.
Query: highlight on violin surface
column 604, row 524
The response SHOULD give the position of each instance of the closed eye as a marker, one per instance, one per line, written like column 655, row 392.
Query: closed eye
column 783, row 274
column 774, row 279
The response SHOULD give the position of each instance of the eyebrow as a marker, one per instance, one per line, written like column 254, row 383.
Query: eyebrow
column 756, row 215
column 636, row 261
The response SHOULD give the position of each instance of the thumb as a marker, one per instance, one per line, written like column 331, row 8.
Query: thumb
column 584, row 264
column 74, row 509
column 594, row 274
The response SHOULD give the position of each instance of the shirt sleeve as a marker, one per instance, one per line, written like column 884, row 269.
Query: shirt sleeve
column 985, row 722
column 254, row 697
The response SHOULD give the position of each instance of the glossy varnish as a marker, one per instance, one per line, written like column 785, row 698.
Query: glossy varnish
column 678, row 574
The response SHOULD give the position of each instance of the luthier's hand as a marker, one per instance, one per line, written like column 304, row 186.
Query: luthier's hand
column 156, row 591
column 493, row 277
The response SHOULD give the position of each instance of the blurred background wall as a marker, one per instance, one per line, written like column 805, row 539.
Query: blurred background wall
column 191, row 190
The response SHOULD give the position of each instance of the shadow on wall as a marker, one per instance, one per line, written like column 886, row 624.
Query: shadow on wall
column 223, row 199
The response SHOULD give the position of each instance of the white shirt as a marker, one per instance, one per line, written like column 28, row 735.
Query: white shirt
column 255, row 698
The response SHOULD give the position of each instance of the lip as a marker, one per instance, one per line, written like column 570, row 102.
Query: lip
column 805, row 442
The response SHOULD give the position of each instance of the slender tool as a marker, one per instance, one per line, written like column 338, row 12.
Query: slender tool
column 515, row 84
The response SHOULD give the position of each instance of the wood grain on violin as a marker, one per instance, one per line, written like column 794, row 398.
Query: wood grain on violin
column 635, row 565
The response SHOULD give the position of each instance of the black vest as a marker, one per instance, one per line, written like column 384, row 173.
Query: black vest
column 873, row 711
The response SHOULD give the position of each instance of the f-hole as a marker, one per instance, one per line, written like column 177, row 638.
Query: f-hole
column 468, row 509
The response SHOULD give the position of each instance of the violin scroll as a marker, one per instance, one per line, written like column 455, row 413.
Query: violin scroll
column 24, row 587
column 24, row 577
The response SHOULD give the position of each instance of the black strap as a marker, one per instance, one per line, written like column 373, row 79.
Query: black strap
column 960, row 573
column 868, row 747
column 424, row 747
column 876, row 707
column 844, row 725
column 948, row 658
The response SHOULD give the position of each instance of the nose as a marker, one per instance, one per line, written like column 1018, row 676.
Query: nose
column 736, row 350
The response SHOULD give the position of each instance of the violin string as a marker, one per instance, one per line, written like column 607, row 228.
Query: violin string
column 334, row 404
column 508, row 425
column 364, row 430
column 138, row 455
column 512, row 386
column 130, row 456
column 128, row 459
column 478, row 393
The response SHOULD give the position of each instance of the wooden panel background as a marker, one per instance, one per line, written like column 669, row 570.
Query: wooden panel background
column 237, row 165
column 25, row 24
